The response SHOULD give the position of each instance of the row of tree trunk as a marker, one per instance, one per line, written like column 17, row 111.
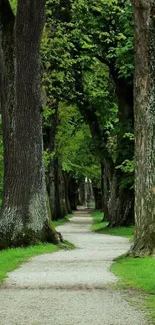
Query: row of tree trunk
column 25, row 217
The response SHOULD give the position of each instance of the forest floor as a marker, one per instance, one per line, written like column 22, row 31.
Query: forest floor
column 71, row 287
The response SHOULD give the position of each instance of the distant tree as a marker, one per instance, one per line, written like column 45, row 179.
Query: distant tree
column 106, row 34
column 24, row 219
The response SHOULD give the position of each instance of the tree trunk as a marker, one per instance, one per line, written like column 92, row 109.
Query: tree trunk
column 81, row 198
column 53, row 168
column 24, row 219
column 62, row 192
column 118, row 200
column 51, row 187
column 144, row 109
column 73, row 193
column 121, row 204
column 105, row 191
column 97, row 197
column 66, row 180
column 57, row 213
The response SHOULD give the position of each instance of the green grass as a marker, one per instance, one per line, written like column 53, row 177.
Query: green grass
column 138, row 273
column 91, row 204
column 61, row 221
column 101, row 226
column 10, row 259
column 135, row 273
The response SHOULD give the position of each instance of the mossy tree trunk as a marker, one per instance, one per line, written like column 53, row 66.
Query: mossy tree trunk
column 144, row 109
column 24, row 219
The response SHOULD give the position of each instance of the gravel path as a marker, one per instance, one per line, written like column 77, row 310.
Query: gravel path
column 70, row 287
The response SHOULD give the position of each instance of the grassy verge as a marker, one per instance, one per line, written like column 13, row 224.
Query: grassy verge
column 138, row 273
column 10, row 259
column 135, row 273
column 99, row 225
column 61, row 221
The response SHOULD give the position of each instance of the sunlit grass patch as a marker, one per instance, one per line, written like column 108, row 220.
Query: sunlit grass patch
column 138, row 273
column 61, row 221
column 99, row 225
column 12, row 258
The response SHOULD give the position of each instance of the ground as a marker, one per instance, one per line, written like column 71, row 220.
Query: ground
column 70, row 287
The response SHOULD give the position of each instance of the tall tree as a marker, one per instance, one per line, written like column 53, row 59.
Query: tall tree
column 57, row 80
column 105, row 33
column 24, row 219
column 144, row 102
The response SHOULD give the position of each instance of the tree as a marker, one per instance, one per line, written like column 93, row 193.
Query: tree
column 105, row 34
column 57, row 80
column 144, row 102
column 76, row 151
column 102, row 39
column 24, row 219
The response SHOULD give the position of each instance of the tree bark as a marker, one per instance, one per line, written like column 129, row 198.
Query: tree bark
column 53, row 168
column 81, row 199
column 57, row 211
column 62, row 192
column 144, row 111
column 97, row 197
column 24, row 219
column 105, row 191
column 73, row 193
column 66, row 180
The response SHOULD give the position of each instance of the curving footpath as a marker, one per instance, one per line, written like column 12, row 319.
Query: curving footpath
column 70, row 287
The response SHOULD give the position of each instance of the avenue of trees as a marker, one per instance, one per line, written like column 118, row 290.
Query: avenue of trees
column 74, row 101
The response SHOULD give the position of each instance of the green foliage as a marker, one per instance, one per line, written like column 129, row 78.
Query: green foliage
column 128, row 165
column 99, row 90
column 84, row 44
column 56, row 52
column 13, row 5
column 74, row 144
column 107, row 32
column 47, row 157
